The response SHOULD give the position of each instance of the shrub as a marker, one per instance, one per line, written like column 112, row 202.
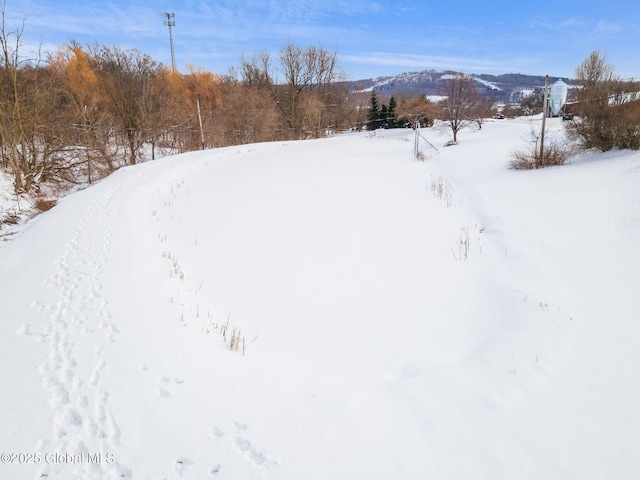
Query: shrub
column 556, row 152
column 43, row 204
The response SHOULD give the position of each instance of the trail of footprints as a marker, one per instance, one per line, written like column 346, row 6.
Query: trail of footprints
column 243, row 446
column 80, row 326
column 239, row 442
column 79, row 322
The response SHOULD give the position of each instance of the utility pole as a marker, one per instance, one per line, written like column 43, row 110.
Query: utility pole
column 540, row 160
column 170, row 21
column 200, row 121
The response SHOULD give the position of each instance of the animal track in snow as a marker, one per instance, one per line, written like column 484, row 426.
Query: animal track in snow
column 184, row 467
column 243, row 446
column 164, row 391
column 246, row 448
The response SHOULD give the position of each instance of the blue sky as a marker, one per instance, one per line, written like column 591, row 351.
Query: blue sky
column 372, row 38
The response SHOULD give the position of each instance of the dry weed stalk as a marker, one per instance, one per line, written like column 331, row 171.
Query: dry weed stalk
column 463, row 244
column 236, row 340
column 442, row 190
column 175, row 271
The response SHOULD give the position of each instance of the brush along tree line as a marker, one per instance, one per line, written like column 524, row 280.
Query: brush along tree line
column 87, row 110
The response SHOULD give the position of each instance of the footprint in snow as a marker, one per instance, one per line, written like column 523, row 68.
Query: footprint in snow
column 241, row 426
column 163, row 393
column 182, row 465
column 245, row 447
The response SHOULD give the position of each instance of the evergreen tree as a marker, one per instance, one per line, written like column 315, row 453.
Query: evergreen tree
column 392, row 121
column 384, row 117
column 374, row 113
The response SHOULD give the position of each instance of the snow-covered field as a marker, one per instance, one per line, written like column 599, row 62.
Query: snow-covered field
column 398, row 319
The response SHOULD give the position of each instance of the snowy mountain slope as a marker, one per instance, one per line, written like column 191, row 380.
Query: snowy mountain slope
column 503, row 89
column 376, row 344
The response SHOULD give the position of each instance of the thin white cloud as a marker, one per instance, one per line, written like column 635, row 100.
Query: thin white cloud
column 288, row 11
column 93, row 20
column 604, row 27
column 215, row 32
column 571, row 23
column 430, row 61
column 567, row 25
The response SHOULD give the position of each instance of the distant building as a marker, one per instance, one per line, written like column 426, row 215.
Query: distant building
column 557, row 97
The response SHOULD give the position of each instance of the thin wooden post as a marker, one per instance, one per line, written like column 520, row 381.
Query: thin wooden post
column 200, row 121
column 540, row 159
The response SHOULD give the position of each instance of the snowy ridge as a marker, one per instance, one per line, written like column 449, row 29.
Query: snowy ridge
column 506, row 88
column 406, row 77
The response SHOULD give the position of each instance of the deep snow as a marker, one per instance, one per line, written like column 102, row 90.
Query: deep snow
column 376, row 345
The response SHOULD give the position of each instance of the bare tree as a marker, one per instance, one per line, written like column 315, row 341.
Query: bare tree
column 30, row 134
column 88, row 139
column 247, row 115
column 305, row 73
column 126, row 77
column 459, row 109
column 594, row 71
column 532, row 104
column 416, row 110
column 328, row 98
column 49, row 138
column 607, row 107
column 297, row 77
column 13, row 125
column 255, row 71
column 483, row 109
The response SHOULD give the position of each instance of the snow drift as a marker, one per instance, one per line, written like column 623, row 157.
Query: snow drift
column 392, row 318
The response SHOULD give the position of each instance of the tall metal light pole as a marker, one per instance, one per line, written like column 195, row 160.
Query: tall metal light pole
column 170, row 21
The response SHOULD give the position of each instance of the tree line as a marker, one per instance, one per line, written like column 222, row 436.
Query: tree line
column 86, row 110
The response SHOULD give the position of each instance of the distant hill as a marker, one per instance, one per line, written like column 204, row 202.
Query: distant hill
column 506, row 88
